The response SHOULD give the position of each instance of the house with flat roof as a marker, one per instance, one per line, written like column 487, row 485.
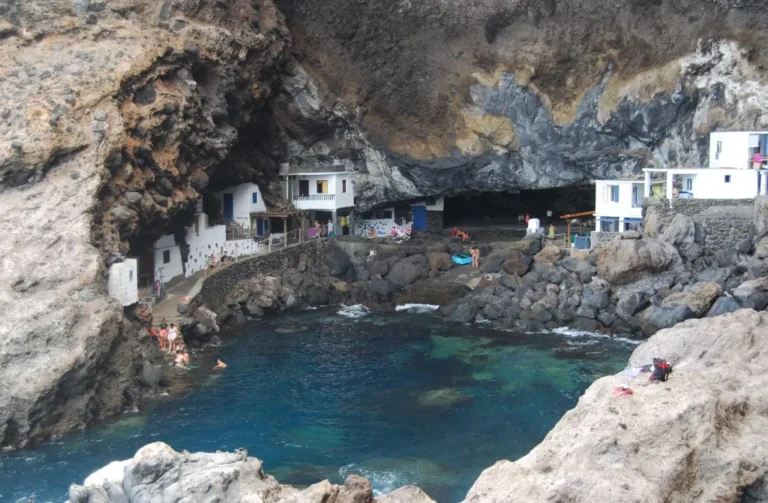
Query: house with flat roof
column 618, row 205
column 325, row 192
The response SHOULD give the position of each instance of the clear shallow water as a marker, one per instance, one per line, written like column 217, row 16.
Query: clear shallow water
column 400, row 398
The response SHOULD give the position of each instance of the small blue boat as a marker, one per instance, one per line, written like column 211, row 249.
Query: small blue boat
column 462, row 259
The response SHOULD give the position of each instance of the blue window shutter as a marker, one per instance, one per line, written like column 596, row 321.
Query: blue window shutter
column 255, row 197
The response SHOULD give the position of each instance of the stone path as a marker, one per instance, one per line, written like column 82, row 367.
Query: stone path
column 167, row 309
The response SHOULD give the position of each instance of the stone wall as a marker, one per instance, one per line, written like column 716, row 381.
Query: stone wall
column 725, row 222
column 434, row 221
column 602, row 238
column 319, row 261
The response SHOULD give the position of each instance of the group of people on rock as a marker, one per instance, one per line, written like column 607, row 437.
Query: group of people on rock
column 460, row 234
column 169, row 339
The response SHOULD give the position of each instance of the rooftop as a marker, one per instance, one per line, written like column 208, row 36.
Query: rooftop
column 313, row 170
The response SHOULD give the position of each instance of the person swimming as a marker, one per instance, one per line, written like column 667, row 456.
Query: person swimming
column 220, row 365
column 182, row 358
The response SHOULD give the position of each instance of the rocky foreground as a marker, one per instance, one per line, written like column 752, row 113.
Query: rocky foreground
column 697, row 437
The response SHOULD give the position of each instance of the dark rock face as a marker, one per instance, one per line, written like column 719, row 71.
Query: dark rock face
column 502, row 106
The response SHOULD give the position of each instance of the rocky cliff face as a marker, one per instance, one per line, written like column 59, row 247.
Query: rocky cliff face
column 113, row 118
column 441, row 97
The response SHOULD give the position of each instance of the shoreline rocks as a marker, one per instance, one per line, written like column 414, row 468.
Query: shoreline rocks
column 158, row 473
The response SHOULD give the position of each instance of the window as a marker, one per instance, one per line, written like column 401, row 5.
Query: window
column 166, row 256
column 635, row 196
column 689, row 184
column 255, row 197
column 727, row 178
column 614, row 190
column 344, row 186
column 322, row 186
column 718, row 150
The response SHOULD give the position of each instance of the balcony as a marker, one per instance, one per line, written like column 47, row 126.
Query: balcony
column 315, row 202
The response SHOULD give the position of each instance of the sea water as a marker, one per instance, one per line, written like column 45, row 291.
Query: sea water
column 400, row 398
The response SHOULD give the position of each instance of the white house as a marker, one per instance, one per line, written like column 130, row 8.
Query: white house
column 738, row 149
column 618, row 205
column 122, row 282
column 326, row 192
column 242, row 205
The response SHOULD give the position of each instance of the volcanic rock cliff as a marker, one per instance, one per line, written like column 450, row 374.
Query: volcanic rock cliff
column 113, row 116
column 117, row 115
column 497, row 95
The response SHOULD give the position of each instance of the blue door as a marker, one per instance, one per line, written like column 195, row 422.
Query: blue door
column 259, row 227
column 419, row 218
column 229, row 206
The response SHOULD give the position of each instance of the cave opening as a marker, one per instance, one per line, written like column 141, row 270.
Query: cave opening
column 475, row 209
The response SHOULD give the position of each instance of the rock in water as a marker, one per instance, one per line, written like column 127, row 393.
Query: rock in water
column 696, row 437
column 442, row 398
column 623, row 261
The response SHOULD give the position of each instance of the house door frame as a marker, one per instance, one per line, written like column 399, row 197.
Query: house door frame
column 303, row 188
column 228, row 205
column 419, row 218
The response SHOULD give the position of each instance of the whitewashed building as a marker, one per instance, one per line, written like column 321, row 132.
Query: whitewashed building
column 738, row 149
column 122, row 282
column 422, row 215
column 327, row 193
column 618, row 205
column 213, row 235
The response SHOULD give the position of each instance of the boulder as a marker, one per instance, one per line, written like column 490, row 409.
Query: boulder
column 339, row 265
column 599, row 298
column 530, row 245
column 440, row 261
column 624, row 261
column 436, row 246
column 630, row 235
column 581, row 268
column 207, row 318
column 549, row 255
column 518, row 264
column 548, row 273
column 697, row 437
column 656, row 318
column 723, row 305
column 753, row 293
column 698, row 298
column 494, row 262
column 726, row 258
column 460, row 313
column 356, row 489
column 511, row 281
column 761, row 248
column 682, row 230
column 409, row 270
column 717, row 275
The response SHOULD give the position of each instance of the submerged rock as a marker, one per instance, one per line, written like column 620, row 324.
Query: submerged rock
column 442, row 398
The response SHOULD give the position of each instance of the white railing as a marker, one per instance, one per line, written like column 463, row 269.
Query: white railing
column 316, row 197
column 277, row 241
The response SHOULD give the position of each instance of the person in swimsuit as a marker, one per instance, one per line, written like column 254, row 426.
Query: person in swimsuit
column 475, row 252
column 173, row 334
column 220, row 365
column 163, row 338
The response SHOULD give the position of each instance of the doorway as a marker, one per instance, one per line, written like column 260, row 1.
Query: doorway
column 419, row 218
column 229, row 206
column 303, row 188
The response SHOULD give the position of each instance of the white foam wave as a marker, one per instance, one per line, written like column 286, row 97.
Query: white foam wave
column 417, row 308
column 355, row 311
column 572, row 332
column 383, row 481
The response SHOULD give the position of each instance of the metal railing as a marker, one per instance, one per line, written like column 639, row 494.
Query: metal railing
column 316, row 197
column 277, row 241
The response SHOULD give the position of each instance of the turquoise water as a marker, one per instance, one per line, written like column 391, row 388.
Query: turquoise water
column 400, row 398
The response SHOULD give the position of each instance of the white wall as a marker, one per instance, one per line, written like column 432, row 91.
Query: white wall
column 243, row 204
column 710, row 184
column 735, row 150
column 604, row 207
column 123, row 281
column 209, row 240
column 174, row 267
column 438, row 206
column 380, row 225
column 340, row 199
